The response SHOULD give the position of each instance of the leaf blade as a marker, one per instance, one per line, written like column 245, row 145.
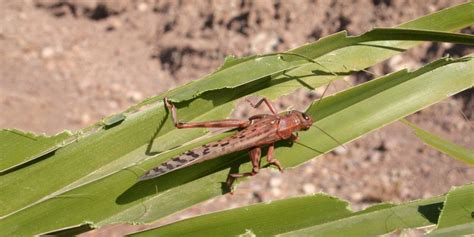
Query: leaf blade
column 455, row 151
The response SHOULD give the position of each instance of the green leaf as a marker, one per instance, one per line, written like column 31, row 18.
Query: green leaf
column 321, row 215
column 93, row 180
column 458, row 152
column 264, row 219
column 457, row 217
column 18, row 148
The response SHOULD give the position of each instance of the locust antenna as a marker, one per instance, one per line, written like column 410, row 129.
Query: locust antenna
column 464, row 115
column 362, row 70
column 308, row 59
column 298, row 142
column 326, row 167
column 466, row 118
column 322, row 96
column 340, row 144
column 317, row 106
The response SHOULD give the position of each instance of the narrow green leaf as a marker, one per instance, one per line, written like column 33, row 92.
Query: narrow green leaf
column 320, row 215
column 264, row 219
column 381, row 34
column 457, row 217
column 377, row 221
column 18, row 147
column 458, row 152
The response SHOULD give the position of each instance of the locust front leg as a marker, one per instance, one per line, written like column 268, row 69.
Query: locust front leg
column 255, row 155
column 225, row 123
column 271, row 159
column 294, row 137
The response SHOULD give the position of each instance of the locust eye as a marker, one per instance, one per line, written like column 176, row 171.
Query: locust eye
column 305, row 116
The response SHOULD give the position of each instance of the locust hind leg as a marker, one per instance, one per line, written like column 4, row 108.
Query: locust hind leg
column 263, row 100
column 255, row 155
column 271, row 159
column 225, row 123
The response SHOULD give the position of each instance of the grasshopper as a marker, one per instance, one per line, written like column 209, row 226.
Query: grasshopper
column 256, row 132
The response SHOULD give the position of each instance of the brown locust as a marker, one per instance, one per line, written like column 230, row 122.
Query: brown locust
column 256, row 132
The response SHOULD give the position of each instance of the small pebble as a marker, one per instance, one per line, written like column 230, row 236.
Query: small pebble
column 375, row 156
column 309, row 188
column 47, row 52
column 276, row 192
column 356, row 196
column 308, row 169
column 142, row 7
column 113, row 104
column 340, row 150
column 275, row 182
column 390, row 144
column 85, row 119
column 115, row 87
column 135, row 96
column 114, row 24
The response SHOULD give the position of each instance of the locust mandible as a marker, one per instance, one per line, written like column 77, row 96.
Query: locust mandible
column 256, row 132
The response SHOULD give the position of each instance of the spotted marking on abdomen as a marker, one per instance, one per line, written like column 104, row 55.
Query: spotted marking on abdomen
column 192, row 154
column 181, row 160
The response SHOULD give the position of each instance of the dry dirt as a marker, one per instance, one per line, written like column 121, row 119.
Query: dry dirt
column 66, row 64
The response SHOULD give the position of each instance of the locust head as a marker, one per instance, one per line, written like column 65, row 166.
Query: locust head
column 303, row 120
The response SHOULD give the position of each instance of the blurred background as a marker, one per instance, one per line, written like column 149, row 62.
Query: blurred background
column 66, row 64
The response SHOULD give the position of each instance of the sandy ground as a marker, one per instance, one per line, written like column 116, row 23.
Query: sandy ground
column 66, row 64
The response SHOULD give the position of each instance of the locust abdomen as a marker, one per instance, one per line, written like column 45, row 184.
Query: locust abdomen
column 244, row 139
